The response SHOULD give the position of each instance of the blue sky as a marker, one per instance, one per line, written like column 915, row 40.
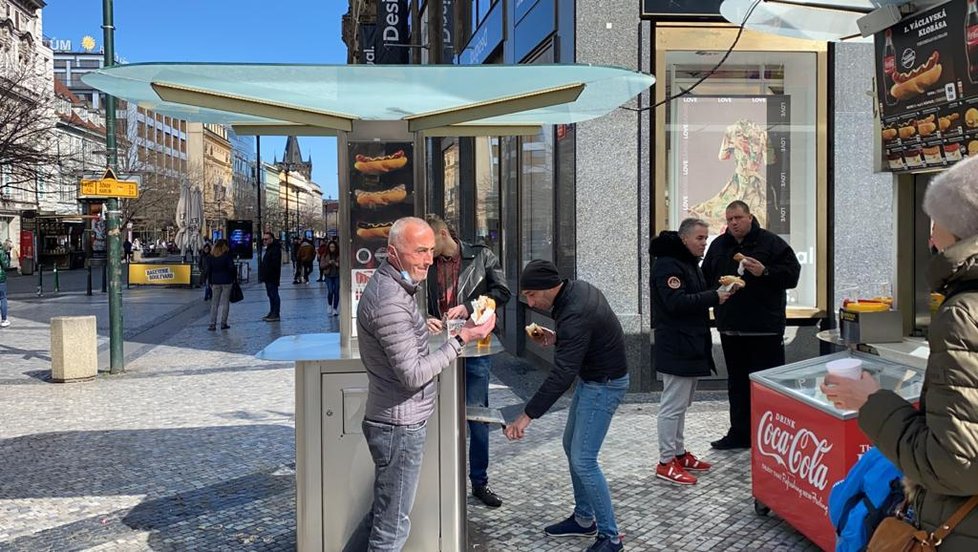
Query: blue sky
column 255, row 31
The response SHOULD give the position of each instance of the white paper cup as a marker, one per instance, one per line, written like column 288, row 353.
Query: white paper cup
column 850, row 368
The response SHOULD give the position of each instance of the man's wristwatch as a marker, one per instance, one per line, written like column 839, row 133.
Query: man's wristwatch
column 461, row 342
column 766, row 272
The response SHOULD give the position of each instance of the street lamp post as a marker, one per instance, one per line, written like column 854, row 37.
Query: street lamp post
column 287, row 231
column 297, row 228
column 113, row 220
column 258, row 182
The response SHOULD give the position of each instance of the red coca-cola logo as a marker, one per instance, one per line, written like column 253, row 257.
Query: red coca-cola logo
column 972, row 35
column 799, row 450
column 889, row 64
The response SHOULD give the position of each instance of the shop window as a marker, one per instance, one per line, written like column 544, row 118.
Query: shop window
column 537, row 196
column 748, row 133
column 450, row 170
column 487, row 225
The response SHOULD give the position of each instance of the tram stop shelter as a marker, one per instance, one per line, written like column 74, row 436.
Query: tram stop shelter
column 372, row 110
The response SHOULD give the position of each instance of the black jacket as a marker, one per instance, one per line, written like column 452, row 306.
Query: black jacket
column 759, row 307
column 480, row 275
column 221, row 270
column 681, row 301
column 590, row 344
column 271, row 263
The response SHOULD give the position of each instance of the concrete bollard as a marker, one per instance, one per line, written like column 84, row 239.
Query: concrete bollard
column 74, row 348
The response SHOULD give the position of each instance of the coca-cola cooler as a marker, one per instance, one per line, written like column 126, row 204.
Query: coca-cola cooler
column 802, row 444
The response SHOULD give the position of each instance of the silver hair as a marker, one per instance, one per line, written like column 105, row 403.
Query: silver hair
column 396, row 237
column 952, row 199
column 686, row 227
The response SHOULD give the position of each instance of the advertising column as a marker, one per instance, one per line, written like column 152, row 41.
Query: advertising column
column 381, row 191
column 927, row 88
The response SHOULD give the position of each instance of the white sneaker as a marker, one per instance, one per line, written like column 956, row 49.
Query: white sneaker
column 4, row 323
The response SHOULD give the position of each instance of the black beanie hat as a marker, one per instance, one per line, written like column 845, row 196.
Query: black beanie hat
column 539, row 274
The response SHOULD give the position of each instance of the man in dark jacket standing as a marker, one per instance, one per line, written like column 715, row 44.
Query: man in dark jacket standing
column 590, row 345
column 683, row 348
column 461, row 273
column 271, row 272
column 752, row 322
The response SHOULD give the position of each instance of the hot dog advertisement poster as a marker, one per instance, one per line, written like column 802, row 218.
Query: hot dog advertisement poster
column 927, row 87
column 381, row 191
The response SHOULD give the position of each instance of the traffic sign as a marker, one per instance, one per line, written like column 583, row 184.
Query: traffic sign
column 108, row 186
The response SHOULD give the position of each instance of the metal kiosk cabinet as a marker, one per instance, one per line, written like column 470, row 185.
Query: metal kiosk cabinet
column 802, row 444
column 334, row 471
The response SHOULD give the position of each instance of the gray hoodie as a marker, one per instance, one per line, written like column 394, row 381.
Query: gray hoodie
column 393, row 342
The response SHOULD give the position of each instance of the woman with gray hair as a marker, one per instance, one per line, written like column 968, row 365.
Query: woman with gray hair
column 936, row 446
column 683, row 348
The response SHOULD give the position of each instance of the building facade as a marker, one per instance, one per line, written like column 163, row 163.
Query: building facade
column 590, row 196
column 150, row 146
column 25, row 70
column 210, row 169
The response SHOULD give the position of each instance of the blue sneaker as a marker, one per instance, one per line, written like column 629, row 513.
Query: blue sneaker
column 570, row 528
column 604, row 544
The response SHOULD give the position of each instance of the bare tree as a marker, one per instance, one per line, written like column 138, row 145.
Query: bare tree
column 29, row 152
column 155, row 208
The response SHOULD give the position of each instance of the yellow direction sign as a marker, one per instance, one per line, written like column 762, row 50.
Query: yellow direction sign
column 108, row 186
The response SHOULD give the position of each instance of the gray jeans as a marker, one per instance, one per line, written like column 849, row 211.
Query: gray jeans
column 222, row 299
column 677, row 395
column 397, row 454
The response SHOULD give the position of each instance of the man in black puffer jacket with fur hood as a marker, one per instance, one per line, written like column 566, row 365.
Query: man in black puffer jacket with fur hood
column 683, row 348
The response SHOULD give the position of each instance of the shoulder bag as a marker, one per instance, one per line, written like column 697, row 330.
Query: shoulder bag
column 894, row 534
column 236, row 293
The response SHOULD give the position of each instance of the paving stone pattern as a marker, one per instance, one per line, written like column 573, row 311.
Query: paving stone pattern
column 193, row 448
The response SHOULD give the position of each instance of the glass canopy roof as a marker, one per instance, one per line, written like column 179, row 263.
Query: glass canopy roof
column 331, row 96
column 826, row 20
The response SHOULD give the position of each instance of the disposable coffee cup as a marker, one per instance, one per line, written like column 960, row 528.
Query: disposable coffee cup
column 849, row 368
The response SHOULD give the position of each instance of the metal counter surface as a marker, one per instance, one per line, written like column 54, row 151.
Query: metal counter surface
column 912, row 351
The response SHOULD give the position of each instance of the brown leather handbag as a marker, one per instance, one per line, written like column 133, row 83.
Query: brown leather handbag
column 893, row 534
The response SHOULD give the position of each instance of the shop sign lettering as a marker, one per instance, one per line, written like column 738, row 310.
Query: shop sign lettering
column 799, row 450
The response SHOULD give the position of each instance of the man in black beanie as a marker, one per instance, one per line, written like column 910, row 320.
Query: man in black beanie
column 590, row 345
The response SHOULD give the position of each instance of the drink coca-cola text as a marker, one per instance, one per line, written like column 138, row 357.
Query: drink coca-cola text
column 799, row 451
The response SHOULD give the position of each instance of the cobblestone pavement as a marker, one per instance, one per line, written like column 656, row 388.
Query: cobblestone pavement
column 193, row 448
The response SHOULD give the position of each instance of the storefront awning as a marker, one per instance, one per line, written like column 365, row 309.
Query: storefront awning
column 827, row 20
column 324, row 99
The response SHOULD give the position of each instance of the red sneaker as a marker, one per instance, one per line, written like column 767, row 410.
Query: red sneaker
column 673, row 472
column 692, row 463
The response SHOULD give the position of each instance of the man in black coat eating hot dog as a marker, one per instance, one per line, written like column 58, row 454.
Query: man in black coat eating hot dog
column 752, row 322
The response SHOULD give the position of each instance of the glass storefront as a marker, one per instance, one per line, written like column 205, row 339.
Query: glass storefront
column 487, row 224
column 748, row 131
column 451, row 182
column 537, row 196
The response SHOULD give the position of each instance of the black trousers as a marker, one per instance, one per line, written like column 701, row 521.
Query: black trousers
column 745, row 355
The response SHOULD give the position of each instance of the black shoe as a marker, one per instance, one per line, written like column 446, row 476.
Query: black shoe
column 225, row 327
column 730, row 443
column 211, row 328
column 274, row 318
column 485, row 494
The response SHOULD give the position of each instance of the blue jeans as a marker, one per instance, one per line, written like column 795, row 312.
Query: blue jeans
column 274, row 301
column 397, row 454
column 3, row 301
column 333, row 291
column 477, row 394
column 587, row 424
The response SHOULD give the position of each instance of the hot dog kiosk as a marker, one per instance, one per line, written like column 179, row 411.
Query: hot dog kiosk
column 381, row 116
